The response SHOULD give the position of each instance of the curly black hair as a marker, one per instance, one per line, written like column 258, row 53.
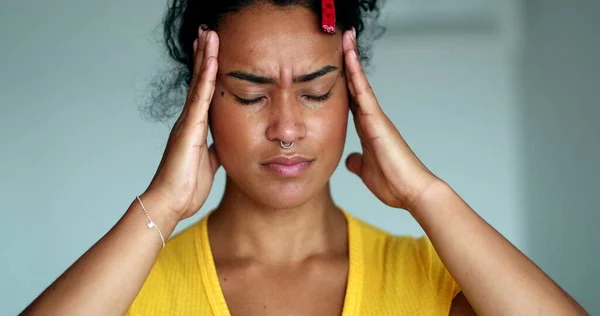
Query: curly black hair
column 180, row 29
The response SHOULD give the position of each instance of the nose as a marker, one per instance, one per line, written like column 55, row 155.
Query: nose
column 286, row 122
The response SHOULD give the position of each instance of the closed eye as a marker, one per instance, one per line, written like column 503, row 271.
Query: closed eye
column 312, row 98
column 249, row 101
column 319, row 98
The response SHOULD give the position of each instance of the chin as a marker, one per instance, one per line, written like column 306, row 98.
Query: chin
column 284, row 204
column 276, row 192
column 285, row 196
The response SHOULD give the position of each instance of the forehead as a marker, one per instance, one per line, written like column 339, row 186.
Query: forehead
column 276, row 42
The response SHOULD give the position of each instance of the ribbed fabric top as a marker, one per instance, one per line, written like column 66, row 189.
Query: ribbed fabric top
column 388, row 275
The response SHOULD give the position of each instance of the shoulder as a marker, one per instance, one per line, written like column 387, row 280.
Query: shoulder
column 176, row 267
column 380, row 243
column 403, row 268
column 183, row 245
column 400, row 251
column 179, row 257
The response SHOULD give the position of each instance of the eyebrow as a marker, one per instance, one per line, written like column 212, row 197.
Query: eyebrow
column 264, row 80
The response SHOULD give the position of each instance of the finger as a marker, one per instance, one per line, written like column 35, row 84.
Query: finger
column 212, row 45
column 208, row 47
column 354, row 163
column 347, row 46
column 202, row 95
column 214, row 159
column 200, row 46
column 193, row 121
column 372, row 122
column 359, row 85
column 351, row 93
column 359, row 129
column 199, row 52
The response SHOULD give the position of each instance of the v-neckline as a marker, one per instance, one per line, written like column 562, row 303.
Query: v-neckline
column 214, row 292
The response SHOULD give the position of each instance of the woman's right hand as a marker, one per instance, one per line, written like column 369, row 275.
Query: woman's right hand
column 185, row 174
column 116, row 267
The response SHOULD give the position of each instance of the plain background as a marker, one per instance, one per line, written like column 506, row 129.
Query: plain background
column 499, row 98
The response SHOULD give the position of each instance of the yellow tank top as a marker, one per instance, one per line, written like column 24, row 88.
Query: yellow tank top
column 388, row 275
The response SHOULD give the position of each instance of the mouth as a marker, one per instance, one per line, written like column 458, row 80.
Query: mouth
column 288, row 166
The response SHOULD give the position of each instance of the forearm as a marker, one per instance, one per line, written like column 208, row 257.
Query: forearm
column 496, row 277
column 107, row 278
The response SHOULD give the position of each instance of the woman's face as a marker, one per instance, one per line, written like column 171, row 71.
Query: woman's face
column 280, row 79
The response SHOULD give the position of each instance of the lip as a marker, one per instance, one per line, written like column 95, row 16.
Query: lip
column 288, row 166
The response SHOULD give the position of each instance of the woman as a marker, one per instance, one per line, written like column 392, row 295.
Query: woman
column 276, row 90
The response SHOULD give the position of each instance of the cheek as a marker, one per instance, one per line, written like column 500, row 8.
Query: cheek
column 337, row 116
column 231, row 128
column 238, row 132
column 330, row 126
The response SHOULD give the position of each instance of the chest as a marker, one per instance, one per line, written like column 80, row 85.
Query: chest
column 307, row 289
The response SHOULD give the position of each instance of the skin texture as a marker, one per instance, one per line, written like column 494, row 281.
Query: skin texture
column 285, row 247
column 265, row 264
column 285, row 112
column 280, row 240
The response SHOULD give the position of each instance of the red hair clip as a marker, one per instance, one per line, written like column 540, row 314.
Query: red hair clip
column 328, row 16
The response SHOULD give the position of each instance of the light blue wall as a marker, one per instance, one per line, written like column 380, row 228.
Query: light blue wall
column 560, row 143
column 75, row 151
column 73, row 148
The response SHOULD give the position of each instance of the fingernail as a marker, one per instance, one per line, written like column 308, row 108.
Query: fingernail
column 353, row 33
column 354, row 54
column 195, row 45
column 208, row 36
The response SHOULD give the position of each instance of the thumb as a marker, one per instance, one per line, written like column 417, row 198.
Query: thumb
column 354, row 163
column 214, row 160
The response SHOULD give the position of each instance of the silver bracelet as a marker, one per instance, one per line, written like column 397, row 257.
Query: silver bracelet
column 151, row 222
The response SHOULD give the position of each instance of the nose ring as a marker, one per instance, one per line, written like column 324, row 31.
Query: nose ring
column 286, row 145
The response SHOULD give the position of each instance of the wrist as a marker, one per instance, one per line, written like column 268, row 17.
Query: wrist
column 165, row 219
column 433, row 194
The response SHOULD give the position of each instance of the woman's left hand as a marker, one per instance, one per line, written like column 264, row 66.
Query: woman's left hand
column 387, row 165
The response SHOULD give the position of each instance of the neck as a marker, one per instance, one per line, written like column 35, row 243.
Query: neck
column 241, row 227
